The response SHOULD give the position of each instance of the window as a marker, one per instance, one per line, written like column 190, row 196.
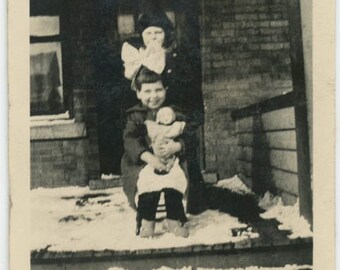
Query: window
column 46, row 80
column 51, row 92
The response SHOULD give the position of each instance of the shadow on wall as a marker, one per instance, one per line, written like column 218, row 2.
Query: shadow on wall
column 261, row 171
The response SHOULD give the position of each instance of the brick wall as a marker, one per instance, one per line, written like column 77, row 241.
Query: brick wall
column 73, row 161
column 58, row 163
column 245, row 59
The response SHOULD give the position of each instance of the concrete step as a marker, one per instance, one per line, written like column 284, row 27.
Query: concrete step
column 103, row 184
column 209, row 177
column 221, row 256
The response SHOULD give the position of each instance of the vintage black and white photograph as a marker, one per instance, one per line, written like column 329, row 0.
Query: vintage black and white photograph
column 171, row 134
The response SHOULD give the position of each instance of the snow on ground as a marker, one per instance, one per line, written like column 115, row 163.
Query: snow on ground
column 76, row 218
column 169, row 268
column 234, row 184
column 289, row 216
column 286, row 267
column 65, row 219
column 268, row 200
column 161, row 268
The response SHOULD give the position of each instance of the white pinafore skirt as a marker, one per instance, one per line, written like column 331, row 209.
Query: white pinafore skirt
column 149, row 181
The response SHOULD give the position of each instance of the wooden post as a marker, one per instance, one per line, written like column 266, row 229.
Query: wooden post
column 299, row 89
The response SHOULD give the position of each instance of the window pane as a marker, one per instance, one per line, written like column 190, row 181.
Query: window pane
column 171, row 16
column 126, row 24
column 46, row 80
column 44, row 26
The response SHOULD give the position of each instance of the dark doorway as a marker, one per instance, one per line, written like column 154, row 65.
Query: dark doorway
column 116, row 22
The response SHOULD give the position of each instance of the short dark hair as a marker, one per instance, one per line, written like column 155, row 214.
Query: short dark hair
column 144, row 75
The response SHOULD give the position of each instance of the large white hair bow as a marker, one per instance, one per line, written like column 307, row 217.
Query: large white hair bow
column 133, row 59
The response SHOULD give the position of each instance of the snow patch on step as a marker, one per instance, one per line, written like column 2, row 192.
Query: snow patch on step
column 234, row 184
column 286, row 267
column 288, row 216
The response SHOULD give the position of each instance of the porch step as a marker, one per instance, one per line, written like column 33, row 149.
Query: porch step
column 226, row 255
column 103, row 184
column 209, row 177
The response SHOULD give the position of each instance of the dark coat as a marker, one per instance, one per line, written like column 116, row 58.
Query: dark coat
column 136, row 142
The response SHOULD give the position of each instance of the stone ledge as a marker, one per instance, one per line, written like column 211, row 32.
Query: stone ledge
column 52, row 130
column 209, row 177
column 40, row 256
column 104, row 184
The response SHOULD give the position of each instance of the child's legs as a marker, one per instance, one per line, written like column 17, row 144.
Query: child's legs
column 147, row 205
column 174, row 206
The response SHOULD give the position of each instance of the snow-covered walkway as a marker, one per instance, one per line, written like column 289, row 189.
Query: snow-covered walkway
column 80, row 219
column 76, row 218
column 286, row 267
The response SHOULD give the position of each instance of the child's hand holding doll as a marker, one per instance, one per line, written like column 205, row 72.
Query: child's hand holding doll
column 162, row 133
column 167, row 148
column 153, row 161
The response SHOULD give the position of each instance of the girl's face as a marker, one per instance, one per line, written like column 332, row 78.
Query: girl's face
column 153, row 36
column 152, row 95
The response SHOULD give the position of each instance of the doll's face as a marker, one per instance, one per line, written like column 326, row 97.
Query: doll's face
column 165, row 116
column 153, row 36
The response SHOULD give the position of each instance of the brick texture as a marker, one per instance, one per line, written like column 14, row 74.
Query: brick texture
column 59, row 163
column 65, row 162
column 245, row 59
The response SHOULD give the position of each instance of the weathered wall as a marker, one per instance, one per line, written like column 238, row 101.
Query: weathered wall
column 72, row 160
column 245, row 58
column 266, row 157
